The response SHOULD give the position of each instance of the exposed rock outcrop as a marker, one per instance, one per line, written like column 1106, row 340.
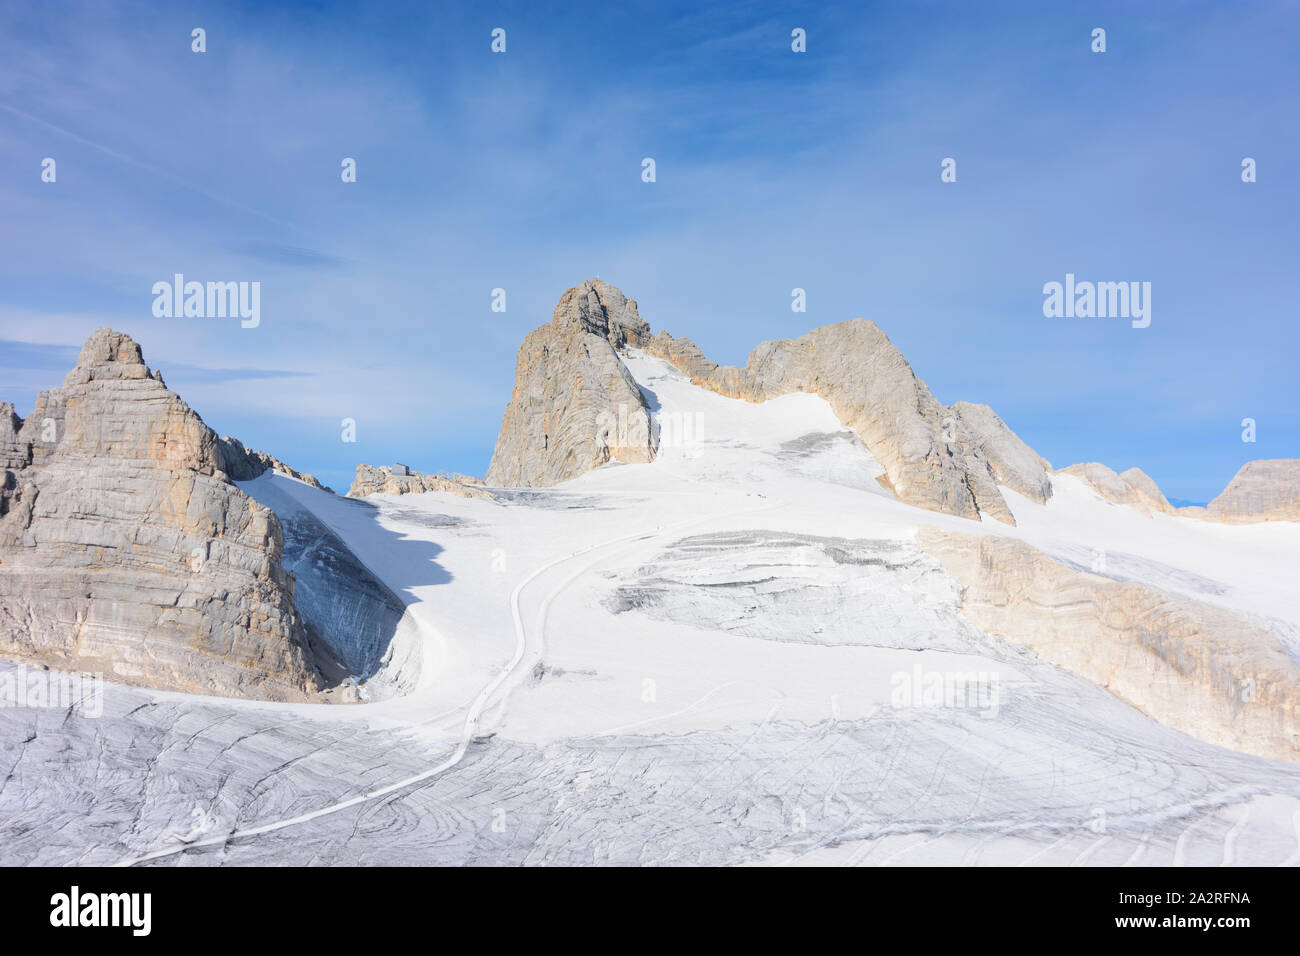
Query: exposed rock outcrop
column 384, row 480
column 1133, row 487
column 14, row 453
column 125, row 548
column 245, row 464
column 1199, row 669
column 1145, row 485
column 1264, row 490
column 934, row 457
column 575, row 406
column 1015, row 464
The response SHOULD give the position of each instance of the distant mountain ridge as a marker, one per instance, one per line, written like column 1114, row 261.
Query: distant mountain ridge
column 571, row 386
column 574, row 407
column 126, row 546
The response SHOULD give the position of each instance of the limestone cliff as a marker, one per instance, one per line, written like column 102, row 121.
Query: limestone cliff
column 1264, row 490
column 1199, row 669
column 245, row 464
column 942, row 459
column 126, row 549
column 575, row 406
column 1015, row 464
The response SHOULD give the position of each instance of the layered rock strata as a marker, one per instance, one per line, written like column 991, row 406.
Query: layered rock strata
column 125, row 548
column 1264, row 490
column 935, row 457
column 575, row 406
column 245, row 464
column 1196, row 668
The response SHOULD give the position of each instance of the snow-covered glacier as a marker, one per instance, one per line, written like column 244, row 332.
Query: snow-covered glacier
column 734, row 654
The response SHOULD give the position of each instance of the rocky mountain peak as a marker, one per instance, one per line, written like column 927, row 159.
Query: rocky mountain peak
column 601, row 309
column 1133, row 488
column 576, row 407
column 935, row 457
column 127, row 549
column 108, row 355
column 1264, row 490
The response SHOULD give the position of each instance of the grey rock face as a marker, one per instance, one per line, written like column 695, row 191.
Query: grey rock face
column 1133, row 488
column 575, row 406
column 384, row 480
column 1264, row 490
column 934, row 457
column 600, row 309
column 245, row 464
column 1016, row 464
column 1193, row 667
column 125, row 549
column 13, row 452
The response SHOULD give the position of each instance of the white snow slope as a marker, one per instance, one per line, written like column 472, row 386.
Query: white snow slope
column 698, row 660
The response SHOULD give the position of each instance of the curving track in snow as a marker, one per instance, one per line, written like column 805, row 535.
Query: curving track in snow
column 515, row 670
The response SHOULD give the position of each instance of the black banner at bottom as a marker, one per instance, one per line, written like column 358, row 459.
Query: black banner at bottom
column 293, row 905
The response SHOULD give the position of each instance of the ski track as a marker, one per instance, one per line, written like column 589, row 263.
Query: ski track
column 772, row 739
column 477, row 707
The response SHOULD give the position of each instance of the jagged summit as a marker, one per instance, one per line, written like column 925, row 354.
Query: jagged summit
column 107, row 355
column 575, row 406
column 572, row 393
column 601, row 309
column 127, row 549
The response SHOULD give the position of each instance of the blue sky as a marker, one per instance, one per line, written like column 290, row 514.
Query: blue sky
column 775, row 170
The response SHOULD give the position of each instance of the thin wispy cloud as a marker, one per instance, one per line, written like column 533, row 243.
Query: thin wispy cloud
column 775, row 171
column 144, row 167
column 292, row 255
